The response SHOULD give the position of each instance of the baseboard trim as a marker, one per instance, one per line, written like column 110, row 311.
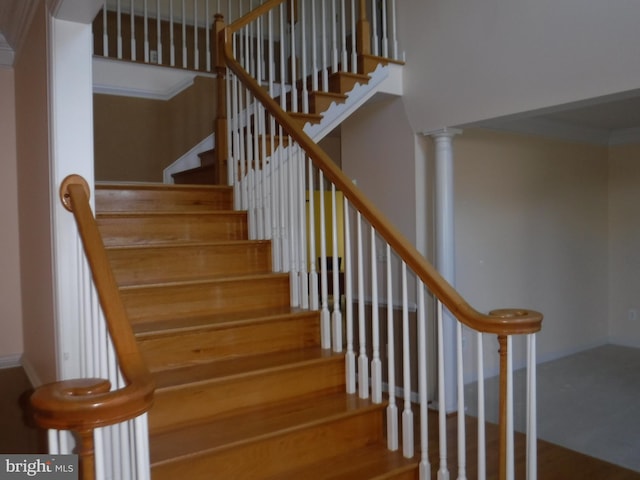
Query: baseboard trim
column 10, row 361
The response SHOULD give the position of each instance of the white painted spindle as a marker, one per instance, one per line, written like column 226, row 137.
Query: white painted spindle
column 374, row 31
column 425, row 465
column 385, row 37
column 119, row 28
column 146, row 32
column 350, row 358
column 532, row 431
column 354, row 48
column 325, row 62
column 303, row 53
column 132, row 21
column 336, row 316
column 392, row 409
column 462, row 439
column 158, row 32
column 510, row 448
column 184, row 34
column 172, row 43
column 325, row 319
column 196, row 53
column 105, row 33
column 363, row 362
column 343, row 35
column 314, row 47
column 314, row 303
column 443, row 472
column 376, row 363
column 482, row 444
column 407, row 414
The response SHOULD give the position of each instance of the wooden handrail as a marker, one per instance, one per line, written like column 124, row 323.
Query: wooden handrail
column 81, row 405
column 502, row 322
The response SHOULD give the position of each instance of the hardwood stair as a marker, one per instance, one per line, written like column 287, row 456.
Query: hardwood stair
column 244, row 390
column 340, row 83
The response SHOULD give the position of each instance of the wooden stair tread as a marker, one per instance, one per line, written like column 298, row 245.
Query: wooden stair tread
column 169, row 213
column 169, row 327
column 223, row 369
column 120, row 186
column 374, row 462
column 191, row 245
column 250, row 425
column 203, row 281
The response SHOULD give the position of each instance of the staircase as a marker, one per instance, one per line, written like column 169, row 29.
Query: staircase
column 244, row 390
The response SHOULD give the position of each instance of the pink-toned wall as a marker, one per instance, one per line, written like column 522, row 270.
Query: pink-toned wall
column 34, row 197
column 10, row 296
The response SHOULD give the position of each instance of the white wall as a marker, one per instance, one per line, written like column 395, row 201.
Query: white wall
column 532, row 232
column 469, row 61
column 378, row 152
column 624, row 244
column 11, row 342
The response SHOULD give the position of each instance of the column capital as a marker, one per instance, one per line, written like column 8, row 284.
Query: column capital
column 447, row 132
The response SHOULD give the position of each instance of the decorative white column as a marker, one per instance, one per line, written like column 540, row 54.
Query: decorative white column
column 445, row 248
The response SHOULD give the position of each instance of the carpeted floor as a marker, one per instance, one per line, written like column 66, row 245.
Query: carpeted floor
column 16, row 433
column 588, row 402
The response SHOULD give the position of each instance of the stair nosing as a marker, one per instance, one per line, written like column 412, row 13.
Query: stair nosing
column 183, row 244
column 204, row 281
column 167, row 332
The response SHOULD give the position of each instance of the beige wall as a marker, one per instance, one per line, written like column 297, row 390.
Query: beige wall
column 10, row 295
column 136, row 138
column 532, row 232
column 32, row 128
column 624, row 244
column 470, row 61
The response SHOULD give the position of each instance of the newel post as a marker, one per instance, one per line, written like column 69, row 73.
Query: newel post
column 220, row 127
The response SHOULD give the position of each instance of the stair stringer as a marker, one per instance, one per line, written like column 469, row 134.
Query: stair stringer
column 385, row 79
column 189, row 159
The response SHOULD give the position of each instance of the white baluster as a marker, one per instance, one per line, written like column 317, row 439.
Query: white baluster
column 350, row 358
column 325, row 320
column 283, row 63
column 105, row 33
column 407, row 414
column 363, row 362
column 336, row 316
column 510, row 451
column 313, row 275
column 284, row 239
column 293, row 227
column 443, row 472
column 146, row 32
column 196, row 53
column 158, row 32
column 354, row 48
column 325, row 63
column 376, row 363
column 172, row 43
column 462, row 439
column 392, row 409
column 142, row 447
column 482, row 444
column 314, row 48
column 132, row 20
column 385, row 37
column 394, row 26
column 119, row 28
column 425, row 465
column 334, row 37
column 184, row 34
column 374, row 23
column 207, row 34
column 532, row 433
column 293, row 65
column 303, row 51
column 343, row 36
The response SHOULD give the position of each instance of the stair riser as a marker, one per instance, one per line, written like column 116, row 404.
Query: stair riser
column 164, row 229
column 252, row 339
column 168, row 264
column 191, row 403
column 211, row 298
column 275, row 455
column 150, row 200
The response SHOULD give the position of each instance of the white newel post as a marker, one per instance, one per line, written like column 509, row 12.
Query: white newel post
column 445, row 248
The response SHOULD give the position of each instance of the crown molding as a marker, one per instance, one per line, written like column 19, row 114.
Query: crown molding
column 15, row 18
column 6, row 53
